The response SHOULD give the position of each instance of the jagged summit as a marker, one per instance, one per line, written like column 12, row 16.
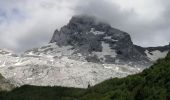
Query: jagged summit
column 83, row 24
column 84, row 20
column 92, row 38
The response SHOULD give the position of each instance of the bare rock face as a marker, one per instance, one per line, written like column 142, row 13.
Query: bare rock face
column 88, row 35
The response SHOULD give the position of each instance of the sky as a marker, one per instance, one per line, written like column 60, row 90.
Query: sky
column 26, row 24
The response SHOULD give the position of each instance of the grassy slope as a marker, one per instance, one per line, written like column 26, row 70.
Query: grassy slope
column 151, row 84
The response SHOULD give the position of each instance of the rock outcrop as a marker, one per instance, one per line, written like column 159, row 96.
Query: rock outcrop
column 93, row 38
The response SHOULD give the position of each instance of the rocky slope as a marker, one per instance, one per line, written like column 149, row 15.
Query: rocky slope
column 98, row 41
column 154, row 53
column 84, row 52
column 44, row 70
column 151, row 84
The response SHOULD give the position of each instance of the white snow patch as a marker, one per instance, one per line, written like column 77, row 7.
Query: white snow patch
column 19, row 62
column 96, row 32
column 4, row 64
column 155, row 55
column 31, row 53
column 108, row 67
column 110, row 38
column 29, row 78
column 106, row 50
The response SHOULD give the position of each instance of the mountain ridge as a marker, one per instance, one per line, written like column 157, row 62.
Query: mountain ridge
column 85, row 33
column 84, row 52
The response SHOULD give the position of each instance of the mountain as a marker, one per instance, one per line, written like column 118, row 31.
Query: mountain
column 154, row 53
column 47, row 70
column 97, row 41
column 151, row 84
column 84, row 52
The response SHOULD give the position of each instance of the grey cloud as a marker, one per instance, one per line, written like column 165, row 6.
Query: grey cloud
column 31, row 23
column 145, row 33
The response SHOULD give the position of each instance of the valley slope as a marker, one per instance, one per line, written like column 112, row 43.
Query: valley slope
column 151, row 84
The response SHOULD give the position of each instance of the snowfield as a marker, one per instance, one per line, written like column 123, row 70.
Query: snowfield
column 155, row 55
column 52, row 65
column 48, row 70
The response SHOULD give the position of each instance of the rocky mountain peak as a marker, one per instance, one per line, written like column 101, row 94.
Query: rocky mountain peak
column 85, row 20
column 88, row 35
column 85, row 23
column 81, row 25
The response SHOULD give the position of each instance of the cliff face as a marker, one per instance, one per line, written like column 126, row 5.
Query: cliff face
column 88, row 35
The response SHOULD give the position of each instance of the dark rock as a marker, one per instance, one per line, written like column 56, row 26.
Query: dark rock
column 86, row 34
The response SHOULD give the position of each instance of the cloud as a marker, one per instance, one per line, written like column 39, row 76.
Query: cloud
column 26, row 24
column 31, row 23
column 146, row 20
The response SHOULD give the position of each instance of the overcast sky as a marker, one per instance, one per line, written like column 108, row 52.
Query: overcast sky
column 26, row 24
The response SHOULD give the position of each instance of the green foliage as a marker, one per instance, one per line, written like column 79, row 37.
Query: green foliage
column 151, row 84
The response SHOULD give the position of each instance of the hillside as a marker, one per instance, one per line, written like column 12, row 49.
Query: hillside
column 151, row 84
